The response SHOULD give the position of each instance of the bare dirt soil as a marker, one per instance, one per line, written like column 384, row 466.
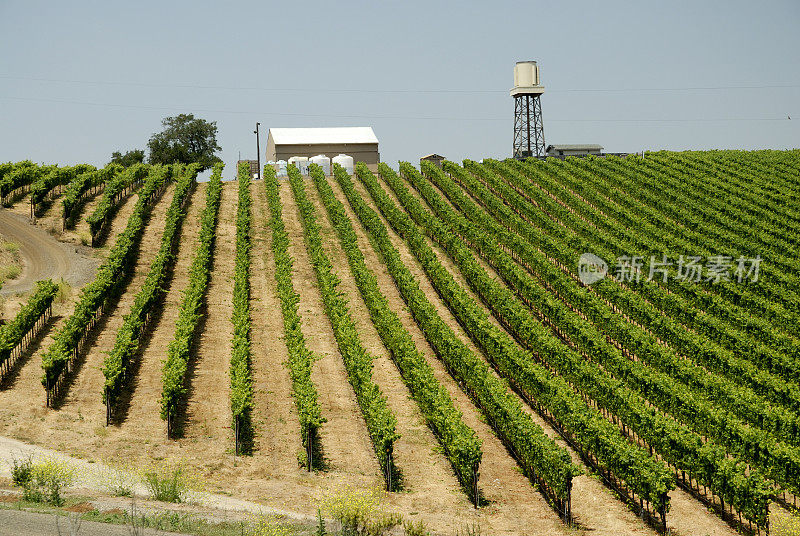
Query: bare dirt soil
column 277, row 428
column 144, row 409
column 50, row 222
column 514, row 505
column 77, row 426
column 272, row 476
column 345, row 441
column 594, row 505
column 425, row 470
column 208, row 417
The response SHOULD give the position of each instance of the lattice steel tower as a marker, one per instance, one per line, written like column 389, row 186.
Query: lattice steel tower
column 528, row 127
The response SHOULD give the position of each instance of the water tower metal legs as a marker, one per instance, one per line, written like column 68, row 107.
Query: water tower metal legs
column 528, row 127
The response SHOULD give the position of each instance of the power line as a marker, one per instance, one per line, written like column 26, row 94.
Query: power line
column 191, row 109
column 247, row 88
column 696, row 88
column 388, row 90
column 243, row 112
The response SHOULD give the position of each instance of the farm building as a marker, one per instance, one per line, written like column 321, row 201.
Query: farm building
column 358, row 142
column 434, row 158
column 574, row 150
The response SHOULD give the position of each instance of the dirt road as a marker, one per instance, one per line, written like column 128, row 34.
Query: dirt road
column 43, row 256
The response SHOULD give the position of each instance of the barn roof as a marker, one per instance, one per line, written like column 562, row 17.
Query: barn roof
column 575, row 147
column 304, row 136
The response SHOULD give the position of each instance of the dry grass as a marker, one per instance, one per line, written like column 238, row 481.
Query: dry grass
column 64, row 292
column 81, row 508
column 10, row 260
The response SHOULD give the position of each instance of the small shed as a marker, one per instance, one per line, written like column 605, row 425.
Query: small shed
column 574, row 149
column 434, row 158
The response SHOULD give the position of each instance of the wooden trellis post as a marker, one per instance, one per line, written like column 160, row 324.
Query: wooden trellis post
column 108, row 407
column 389, row 464
column 475, row 497
column 568, row 512
column 309, row 449
column 236, row 434
column 169, row 422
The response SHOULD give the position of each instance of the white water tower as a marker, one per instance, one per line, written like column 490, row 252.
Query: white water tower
column 528, row 128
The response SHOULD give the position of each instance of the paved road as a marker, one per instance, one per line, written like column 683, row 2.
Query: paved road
column 43, row 256
column 22, row 523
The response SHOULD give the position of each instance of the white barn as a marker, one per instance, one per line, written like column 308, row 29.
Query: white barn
column 358, row 142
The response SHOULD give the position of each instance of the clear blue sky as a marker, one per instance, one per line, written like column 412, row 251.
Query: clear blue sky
column 79, row 80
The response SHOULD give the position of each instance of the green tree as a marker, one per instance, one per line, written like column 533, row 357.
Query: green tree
column 185, row 139
column 134, row 156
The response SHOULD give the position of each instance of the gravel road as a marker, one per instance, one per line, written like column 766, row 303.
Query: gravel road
column 20, row 522
column 43, row 256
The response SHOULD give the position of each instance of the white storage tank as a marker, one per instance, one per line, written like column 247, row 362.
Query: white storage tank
column 281, row 166
column 526, row 74
column 345, row 161
column 322, row 161
column 301, row 162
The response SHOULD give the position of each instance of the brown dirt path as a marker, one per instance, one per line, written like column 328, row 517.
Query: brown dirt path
column 143, row 424
column 345, row 441
column 208, row 415
column 515, row 506
column 78, row 424
column 275, row 419
column 594, row 505
column 427, row 474
column 43, row 256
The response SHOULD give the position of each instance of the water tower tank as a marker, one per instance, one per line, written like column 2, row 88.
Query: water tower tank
column 526, row 79
column 345, row 161
column 322, row 161
column 526, row 74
